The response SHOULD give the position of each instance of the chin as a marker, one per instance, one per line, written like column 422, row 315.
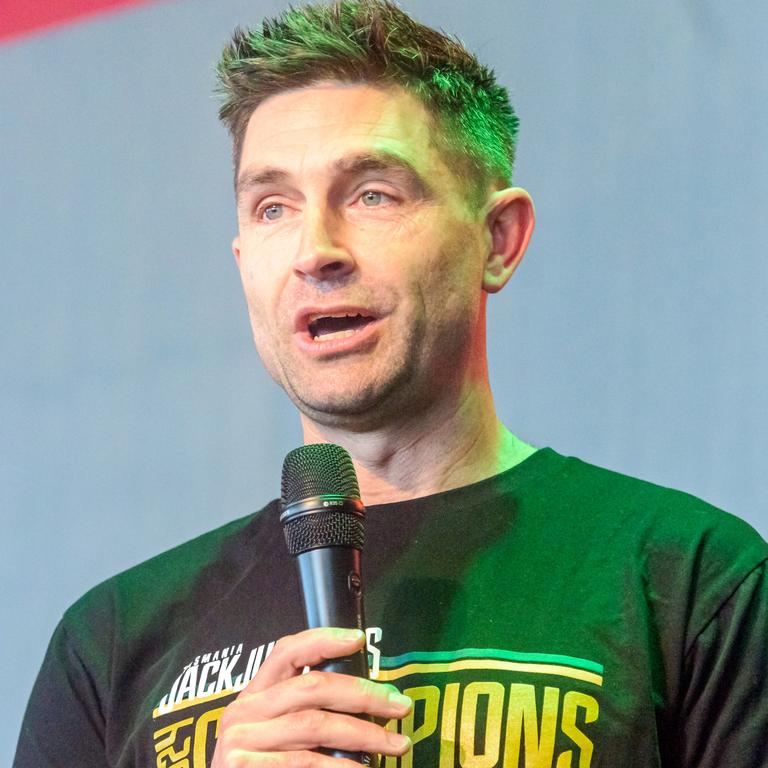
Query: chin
column 362, row 408
column 337, row 405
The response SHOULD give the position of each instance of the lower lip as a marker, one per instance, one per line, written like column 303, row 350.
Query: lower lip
column 357, row 342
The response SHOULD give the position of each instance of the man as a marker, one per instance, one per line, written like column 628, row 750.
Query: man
column 524, row 608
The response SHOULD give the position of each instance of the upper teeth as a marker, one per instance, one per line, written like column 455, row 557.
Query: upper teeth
column 317, row 316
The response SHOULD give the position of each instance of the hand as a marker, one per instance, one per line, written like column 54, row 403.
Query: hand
column 282, row 714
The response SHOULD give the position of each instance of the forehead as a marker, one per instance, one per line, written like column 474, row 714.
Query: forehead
column 306, row 129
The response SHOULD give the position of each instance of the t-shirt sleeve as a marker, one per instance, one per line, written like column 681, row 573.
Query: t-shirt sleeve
column 64, row 722
column 725, row 717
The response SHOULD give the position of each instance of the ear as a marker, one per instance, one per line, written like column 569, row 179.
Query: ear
column 511, row 219
column 236, row 248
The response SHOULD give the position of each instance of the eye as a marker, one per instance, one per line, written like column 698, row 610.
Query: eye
column 270, row 212
column 372, row 198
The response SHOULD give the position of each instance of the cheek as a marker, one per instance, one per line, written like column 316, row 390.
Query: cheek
column 264, row 337
column 454, row 291
column 256, row 301
column 265, row 270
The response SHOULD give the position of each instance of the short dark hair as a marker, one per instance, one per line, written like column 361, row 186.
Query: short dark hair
column 377, row 43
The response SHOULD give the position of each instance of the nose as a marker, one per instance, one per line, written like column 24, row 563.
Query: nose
column 322, row 255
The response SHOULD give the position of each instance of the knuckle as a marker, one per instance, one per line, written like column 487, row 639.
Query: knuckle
column 237, row 758
column 226, row 718
column 230, row 718
column 309, row 720
column 301, row 759
column 311, row 681
column 225, row 741
column 371, row 688
column 372, row 691
column 282, row 645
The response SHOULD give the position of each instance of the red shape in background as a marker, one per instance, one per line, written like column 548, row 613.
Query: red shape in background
column 22, row 17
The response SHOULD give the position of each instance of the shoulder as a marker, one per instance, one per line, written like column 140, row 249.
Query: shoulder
column 658, row 514
column 683, row 547
column 163, row 585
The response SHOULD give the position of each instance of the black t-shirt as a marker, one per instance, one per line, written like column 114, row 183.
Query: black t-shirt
column 557, row 615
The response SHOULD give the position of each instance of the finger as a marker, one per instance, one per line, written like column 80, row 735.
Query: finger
column 323, row 690
column 315, row 728
column 305, row 649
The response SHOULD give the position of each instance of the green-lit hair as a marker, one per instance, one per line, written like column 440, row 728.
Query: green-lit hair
column 375, row 42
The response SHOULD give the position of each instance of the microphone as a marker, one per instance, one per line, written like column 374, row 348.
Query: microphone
column 323, row 522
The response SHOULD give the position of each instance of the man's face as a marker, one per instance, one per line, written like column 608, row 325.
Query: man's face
column 360, row 257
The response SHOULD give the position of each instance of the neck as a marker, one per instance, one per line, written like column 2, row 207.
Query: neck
column 451, row 445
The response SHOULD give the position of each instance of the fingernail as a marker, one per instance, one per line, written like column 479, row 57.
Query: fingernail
column 395, row 697
column 398, row 740
column 351, row 634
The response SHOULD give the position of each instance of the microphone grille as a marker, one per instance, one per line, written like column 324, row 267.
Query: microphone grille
column 323, row 529
column 317, row 470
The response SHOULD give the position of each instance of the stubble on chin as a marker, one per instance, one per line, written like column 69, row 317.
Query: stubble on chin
column 368, row 405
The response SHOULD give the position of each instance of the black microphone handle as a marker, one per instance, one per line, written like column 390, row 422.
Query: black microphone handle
column 332, row 590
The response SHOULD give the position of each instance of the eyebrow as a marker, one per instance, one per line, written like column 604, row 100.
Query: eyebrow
column 357, row 165
column 350, row 165
column 255, row 178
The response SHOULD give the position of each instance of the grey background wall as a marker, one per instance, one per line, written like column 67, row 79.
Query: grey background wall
column 135, row 414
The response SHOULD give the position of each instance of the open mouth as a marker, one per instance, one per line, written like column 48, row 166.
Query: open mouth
column 337, row 326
